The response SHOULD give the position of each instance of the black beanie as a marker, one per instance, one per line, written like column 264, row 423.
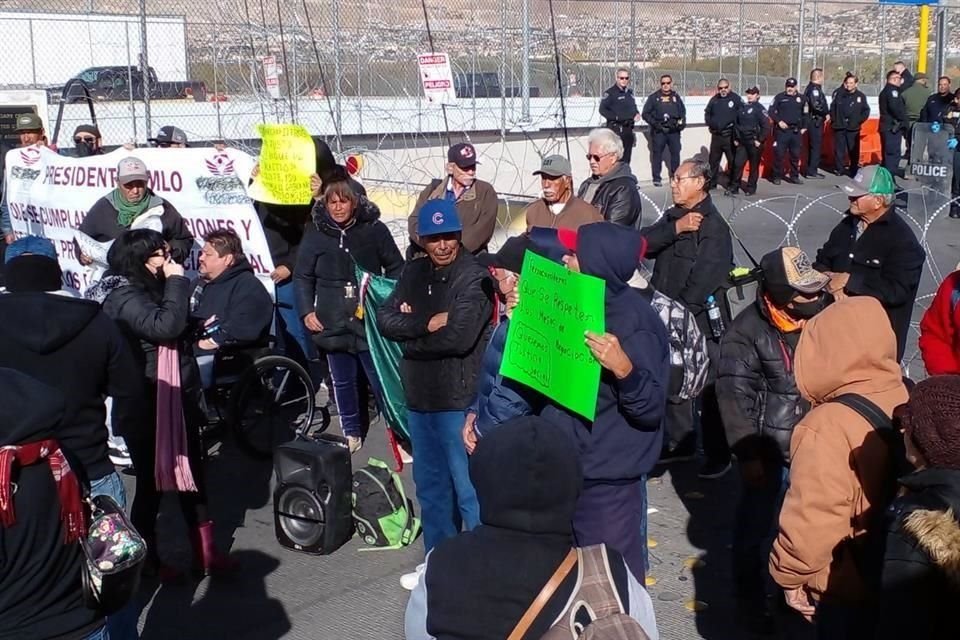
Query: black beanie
column 932, row 418
column 33, row 273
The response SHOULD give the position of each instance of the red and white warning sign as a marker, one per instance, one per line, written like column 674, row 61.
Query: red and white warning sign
column 436, row 77
column 272, row 76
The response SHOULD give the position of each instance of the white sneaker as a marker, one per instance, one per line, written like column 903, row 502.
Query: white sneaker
column 409, row 581
column 405, row 456
column 119, row 455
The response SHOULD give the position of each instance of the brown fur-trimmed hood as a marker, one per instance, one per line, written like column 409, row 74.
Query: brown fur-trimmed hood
column 938, row 534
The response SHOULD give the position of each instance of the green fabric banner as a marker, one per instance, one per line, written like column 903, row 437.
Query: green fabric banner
column 546, row 348
column 386, row 354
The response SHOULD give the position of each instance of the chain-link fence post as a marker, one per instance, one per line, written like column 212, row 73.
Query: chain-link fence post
column 883, row 43
column 800, row 30
column 144, row 66
column 740, row 51
column 525, row 66
column 337, row 71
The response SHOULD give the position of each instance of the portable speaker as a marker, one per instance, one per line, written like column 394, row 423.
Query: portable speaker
column 312, row 504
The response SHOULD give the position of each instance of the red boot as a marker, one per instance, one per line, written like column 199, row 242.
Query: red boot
column 206, row 559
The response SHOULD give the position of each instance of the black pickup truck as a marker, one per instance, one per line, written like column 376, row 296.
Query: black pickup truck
column 119, row 83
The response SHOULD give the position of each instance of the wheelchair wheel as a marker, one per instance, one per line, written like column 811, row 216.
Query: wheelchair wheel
column 272, row 403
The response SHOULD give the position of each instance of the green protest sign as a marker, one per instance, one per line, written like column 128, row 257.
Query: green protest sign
column 545, row 343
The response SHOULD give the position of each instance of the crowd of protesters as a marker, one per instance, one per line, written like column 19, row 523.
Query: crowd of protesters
column 533, row 516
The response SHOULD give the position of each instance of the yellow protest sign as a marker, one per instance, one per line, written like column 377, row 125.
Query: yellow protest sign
column 288, row 158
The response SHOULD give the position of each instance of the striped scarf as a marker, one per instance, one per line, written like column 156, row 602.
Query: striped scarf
column 68, row 487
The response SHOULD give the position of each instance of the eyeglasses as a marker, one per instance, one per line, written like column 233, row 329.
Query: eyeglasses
column 676, row 178
column 592, row 157
column 623, row 77
column 722, row 88
column 163, row 145
column 664, row 84
column 83, row 139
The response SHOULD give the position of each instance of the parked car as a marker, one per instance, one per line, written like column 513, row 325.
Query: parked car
column 118, row 83
column 486, row 85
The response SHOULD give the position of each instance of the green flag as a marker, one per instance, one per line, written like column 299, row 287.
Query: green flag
column 386, row 354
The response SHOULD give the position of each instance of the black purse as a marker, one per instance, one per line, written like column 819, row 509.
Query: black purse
column 113, row 557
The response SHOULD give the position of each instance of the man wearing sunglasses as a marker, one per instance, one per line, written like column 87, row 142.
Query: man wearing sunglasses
column 721, row 118
column 666, row 114
column 620, row 109
column 87, row 141
column 873, row 251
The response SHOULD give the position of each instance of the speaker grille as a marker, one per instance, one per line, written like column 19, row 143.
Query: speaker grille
column 302, row 516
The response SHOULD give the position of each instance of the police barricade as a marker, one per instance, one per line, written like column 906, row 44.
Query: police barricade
column 931, row 169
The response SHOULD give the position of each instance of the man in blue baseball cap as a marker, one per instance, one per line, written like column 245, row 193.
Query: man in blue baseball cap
column 440, row 312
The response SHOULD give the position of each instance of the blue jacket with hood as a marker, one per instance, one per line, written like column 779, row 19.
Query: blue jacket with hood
column 624, row 440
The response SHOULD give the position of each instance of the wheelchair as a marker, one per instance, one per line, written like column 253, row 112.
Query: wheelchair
column 265, row 397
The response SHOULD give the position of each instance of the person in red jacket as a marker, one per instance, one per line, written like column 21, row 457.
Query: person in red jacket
column 940, row 329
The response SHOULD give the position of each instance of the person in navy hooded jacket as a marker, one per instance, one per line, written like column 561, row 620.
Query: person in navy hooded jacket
column 623, row 443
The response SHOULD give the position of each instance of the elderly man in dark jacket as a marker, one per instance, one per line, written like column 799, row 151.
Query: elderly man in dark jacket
column 622, row 444
column 611, row 187
column 874, row 252
column 440, row 312
column 694, row 253
column 760, row 405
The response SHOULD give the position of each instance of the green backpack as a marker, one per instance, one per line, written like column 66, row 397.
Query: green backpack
column 383, row 514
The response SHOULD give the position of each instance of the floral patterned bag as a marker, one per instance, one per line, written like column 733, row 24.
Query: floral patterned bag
column 114, row 555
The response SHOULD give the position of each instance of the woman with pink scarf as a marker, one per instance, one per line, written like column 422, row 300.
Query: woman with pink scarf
column 147, row 295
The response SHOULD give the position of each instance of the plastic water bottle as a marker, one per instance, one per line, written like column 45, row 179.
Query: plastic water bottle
column 716, row 320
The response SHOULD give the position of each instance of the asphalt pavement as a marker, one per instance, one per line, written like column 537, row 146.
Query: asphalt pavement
column 356, row 594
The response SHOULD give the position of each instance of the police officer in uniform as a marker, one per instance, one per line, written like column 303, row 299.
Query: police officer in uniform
column 620, row 110
column 847, row 114
column 819, row 109
column 939, row 103
column 788, row 112
column 893, row 122
column 952, row 117
column 666, row 114
column 751, row 129
column 720, row 117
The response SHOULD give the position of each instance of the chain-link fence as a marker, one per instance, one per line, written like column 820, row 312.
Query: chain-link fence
column 349, row 69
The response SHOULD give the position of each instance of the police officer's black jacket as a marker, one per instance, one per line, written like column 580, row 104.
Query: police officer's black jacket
column 936, row 107
column 819, row 106
column 721, row 113
column 440, row 369
column 690, row 266
column 849, row 110
column 789, row 109
column 665, row 112
column 618, row 105
column 758, row 394
column 893, row 110
column 752, row 122
column 885, row 263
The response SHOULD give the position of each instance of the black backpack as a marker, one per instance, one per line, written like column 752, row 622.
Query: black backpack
column 868, row 550
column 382, row 512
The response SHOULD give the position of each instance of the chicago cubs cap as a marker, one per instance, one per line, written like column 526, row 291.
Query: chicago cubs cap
column 437, row 217
column 29, row 122
column 874, row 180
column 463, row 155
column 30, row 245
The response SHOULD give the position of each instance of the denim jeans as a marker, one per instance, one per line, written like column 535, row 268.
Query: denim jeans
column 343, row 370
column 444, row 490
column 122, row 625
column 754, row 530
column 103, row 633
